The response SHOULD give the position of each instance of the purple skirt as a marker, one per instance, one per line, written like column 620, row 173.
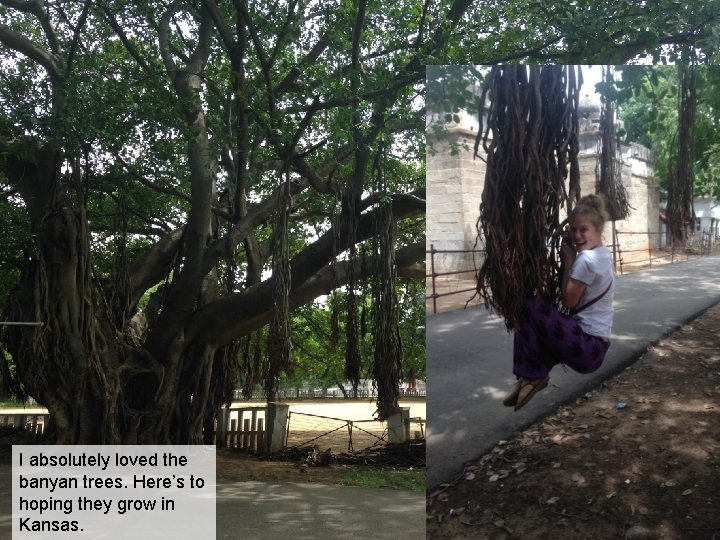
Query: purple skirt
column 546, row 337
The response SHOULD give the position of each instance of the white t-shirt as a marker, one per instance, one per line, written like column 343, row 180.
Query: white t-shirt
column 594, row 267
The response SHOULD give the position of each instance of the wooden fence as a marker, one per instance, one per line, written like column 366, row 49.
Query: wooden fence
column 241, row 427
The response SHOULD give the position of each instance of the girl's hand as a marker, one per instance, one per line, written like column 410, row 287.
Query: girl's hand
column 568, row 252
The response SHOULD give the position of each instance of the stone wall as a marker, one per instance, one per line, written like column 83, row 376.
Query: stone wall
column 640, row 232
column 454, row 188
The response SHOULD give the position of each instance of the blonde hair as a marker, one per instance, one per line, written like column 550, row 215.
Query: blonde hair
column 592, row 206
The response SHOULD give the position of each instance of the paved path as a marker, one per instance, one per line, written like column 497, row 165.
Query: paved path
column 469, row 361
column 283, row 510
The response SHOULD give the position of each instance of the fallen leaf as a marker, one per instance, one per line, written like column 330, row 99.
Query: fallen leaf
column 470, row 476
column 687, row 492
column 578, row 479
column 610, row 495
column 494, row 478
column 552, row 500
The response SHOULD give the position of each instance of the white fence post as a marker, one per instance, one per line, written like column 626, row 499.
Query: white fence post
column 276, row 425
column 221, row 428
column 399, row 426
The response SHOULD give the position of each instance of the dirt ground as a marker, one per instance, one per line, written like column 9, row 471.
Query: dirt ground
column 234, row 465
column 237, row 465
column 638, row 457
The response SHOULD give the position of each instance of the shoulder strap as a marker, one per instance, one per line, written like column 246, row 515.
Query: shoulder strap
column 575, row 311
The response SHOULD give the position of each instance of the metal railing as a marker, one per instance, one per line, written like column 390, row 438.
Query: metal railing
column 433, row 276
column 697, row 244
column 340, row 434
column 626, row 259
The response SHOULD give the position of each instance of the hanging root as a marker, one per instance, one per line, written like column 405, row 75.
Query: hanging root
column 680, row 186
column 609, row 171
column 279, row 344
column 529, row 133
column 386, row 337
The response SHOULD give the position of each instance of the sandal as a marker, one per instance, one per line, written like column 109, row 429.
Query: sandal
column 528, row 390
column 511, row 397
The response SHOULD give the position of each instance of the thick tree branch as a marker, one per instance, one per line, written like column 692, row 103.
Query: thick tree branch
column 265, row 64
column 154, row 265
column 256, row 215
column 37, row 8
column 225, row 35
column 315, row 178
column 33, row 51
column 182, row 296
column 289, row 82
column 164, row 39
column 230, row 318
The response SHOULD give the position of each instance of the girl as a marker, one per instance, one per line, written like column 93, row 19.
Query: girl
column 546, row 336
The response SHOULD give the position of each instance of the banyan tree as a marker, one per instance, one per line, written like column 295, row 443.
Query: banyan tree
column 528, row 132
column 177, row 177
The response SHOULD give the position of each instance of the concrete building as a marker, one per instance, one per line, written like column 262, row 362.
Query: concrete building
column 707, row 216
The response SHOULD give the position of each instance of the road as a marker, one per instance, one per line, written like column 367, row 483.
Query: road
column 469, row 361
column 281, row 510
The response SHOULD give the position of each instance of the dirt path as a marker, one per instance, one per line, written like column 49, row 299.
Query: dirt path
column 638, row 457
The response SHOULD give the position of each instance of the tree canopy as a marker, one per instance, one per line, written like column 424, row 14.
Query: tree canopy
column 583, row 32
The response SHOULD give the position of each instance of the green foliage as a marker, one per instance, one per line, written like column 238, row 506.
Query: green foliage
column 647, row 97
column 408, row 480
column 14, row 239
column 584, row 32
column 319, row 361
